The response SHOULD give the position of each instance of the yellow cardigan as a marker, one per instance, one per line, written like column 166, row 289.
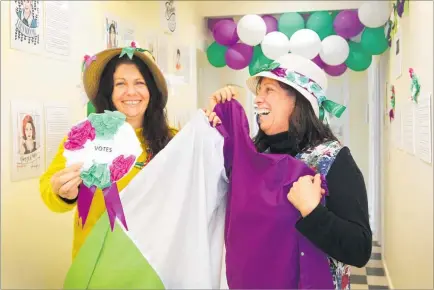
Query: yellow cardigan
column 56, row 204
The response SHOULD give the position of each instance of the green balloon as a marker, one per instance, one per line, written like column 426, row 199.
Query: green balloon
column 322, row 23
column 358, row 59
column 374, row 40
column 216, row 54
column 258, row 60
column 290, row 22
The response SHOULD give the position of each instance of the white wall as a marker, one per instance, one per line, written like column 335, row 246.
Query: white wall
column 408, row 196
column 233, row 8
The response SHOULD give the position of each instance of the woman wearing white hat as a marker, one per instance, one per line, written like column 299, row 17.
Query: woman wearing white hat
column 293, row 113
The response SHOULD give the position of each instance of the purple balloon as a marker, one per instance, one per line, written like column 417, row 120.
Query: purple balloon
column 213, row 21
column 335, row 70
column 347, row 24
column 238, row 56
column 225, row 32
column 318, row 61
column 270, row 22
column 305, row 16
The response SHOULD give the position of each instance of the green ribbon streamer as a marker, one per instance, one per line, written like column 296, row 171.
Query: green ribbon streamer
column 129, row 51
column 106, row 125
column 97, row 175
column 332, row 108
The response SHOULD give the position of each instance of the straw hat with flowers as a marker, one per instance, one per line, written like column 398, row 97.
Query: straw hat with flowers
column 93, row 67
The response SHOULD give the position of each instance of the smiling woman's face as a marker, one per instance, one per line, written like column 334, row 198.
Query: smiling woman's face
column 130, row 94
column 274, row 106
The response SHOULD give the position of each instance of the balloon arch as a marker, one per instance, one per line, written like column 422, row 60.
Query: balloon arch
column 334, row 40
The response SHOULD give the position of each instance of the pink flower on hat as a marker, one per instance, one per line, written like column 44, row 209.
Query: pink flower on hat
column 79, row 135
column 120, row 166
column 89, row 59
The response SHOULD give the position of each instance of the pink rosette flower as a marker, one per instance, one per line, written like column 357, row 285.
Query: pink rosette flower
column 78, row 136
column 120, row 167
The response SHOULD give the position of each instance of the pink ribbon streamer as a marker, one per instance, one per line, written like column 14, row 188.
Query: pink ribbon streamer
column 114, row 205
column 85, row 197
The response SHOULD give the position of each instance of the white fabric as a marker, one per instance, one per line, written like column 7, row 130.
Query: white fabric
column 175, row 208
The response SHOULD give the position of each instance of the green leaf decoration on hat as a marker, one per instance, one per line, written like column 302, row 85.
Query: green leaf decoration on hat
column 303, row 81
column 129, row 50
column 331, row 107
column 315, row 88
column 292, row 77
column 267, row 67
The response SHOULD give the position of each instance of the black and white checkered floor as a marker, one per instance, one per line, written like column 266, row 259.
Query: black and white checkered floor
column 372, row 276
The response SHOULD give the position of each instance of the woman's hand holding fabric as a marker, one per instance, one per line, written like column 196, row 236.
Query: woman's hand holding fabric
column 222, row 95
column 306, row 193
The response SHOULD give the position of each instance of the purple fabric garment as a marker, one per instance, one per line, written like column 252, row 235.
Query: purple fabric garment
column 263, row 248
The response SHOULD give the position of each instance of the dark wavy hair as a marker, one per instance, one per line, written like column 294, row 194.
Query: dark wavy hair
column 305, row 129
column 156, row 132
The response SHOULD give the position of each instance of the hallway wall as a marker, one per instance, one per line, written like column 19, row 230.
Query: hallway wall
column 408, row 200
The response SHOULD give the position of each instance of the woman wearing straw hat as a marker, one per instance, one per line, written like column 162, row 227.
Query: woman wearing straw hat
column 123, row 79
column 292, row 113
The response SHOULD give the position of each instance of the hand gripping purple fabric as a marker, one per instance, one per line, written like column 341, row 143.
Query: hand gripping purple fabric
column 263, row 248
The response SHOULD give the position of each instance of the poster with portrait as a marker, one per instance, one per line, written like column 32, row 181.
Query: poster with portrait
column 111, row 31
column 168, row 16
column 26, row 26
column 151, row 44
column 181, row 62
column 27, row 141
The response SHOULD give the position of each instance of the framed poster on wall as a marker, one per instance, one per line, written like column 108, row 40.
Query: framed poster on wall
column 26, row 26
column 27, row 142
column 168, row 16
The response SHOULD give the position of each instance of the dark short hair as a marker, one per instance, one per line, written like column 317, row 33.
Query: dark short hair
column 305, row 128
column 155, row 126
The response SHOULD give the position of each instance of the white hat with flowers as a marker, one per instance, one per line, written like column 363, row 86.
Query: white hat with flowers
column 303, row 75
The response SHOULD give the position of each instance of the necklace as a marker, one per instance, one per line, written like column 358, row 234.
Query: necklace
column 140, row 165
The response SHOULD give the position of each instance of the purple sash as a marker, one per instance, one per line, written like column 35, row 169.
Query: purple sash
column 263, row 248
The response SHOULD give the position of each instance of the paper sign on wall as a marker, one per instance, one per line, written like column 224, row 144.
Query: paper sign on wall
column 27, row 141
column 26, row 21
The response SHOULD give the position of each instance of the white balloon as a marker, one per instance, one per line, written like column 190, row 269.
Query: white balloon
column 251, row 29
column 335, row 50
column 306, row 43
column 358, row 37
column 374, row 14
column 275, row 45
